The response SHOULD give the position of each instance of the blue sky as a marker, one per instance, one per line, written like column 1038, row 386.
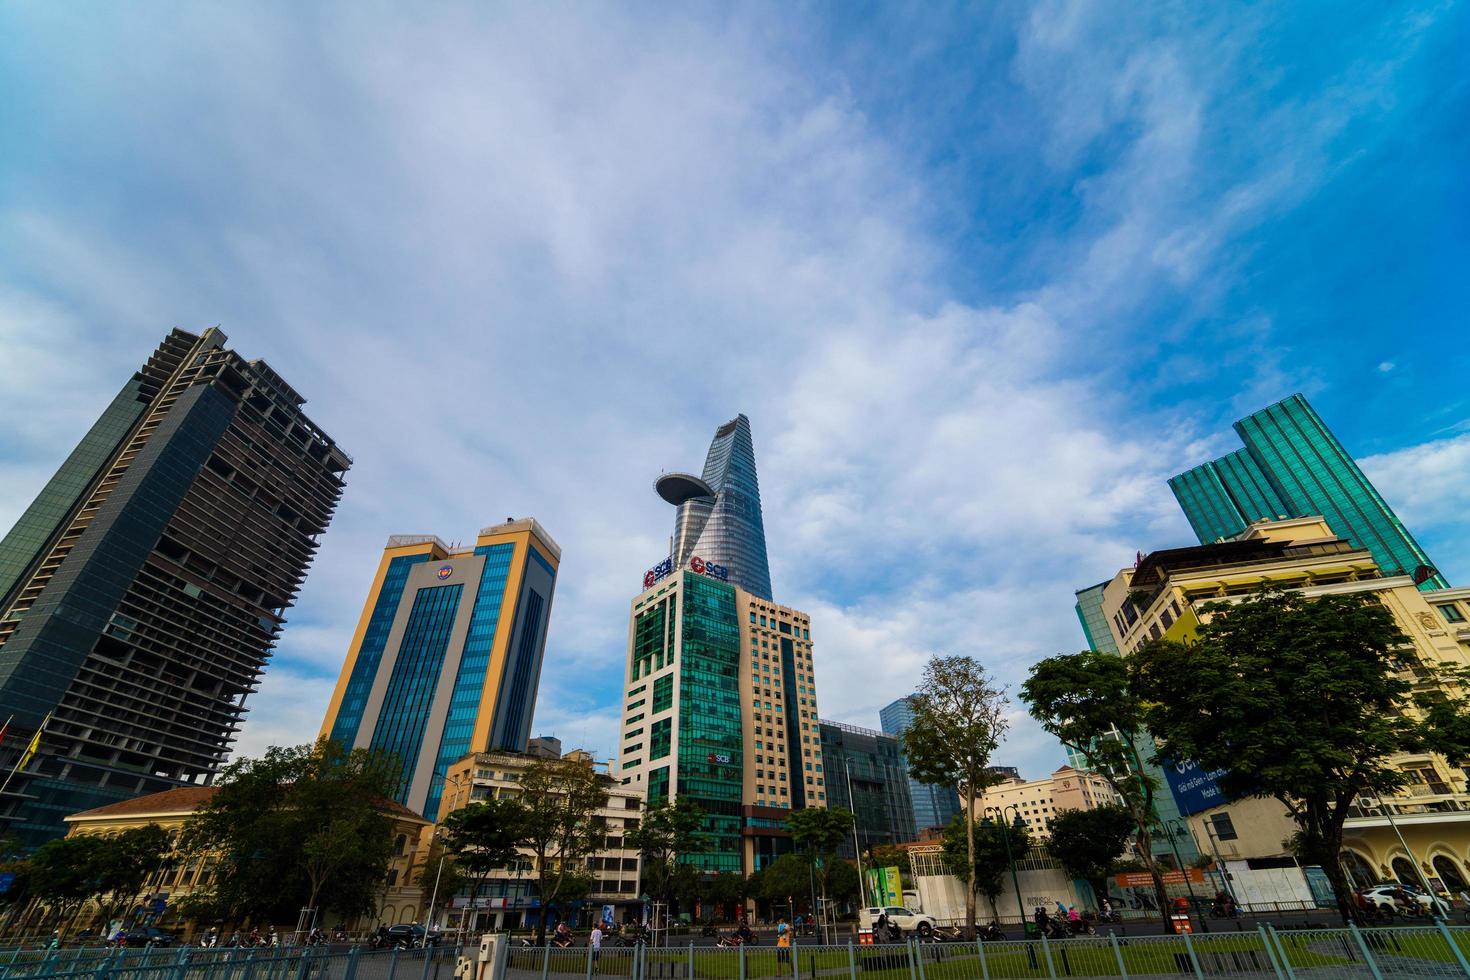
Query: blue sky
column 982, row 276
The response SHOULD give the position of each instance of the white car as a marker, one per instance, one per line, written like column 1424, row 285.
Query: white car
column 905, row 919
column 1384, row 896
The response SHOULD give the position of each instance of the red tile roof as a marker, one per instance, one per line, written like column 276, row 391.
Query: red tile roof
column 184, row 799
column 187, row 799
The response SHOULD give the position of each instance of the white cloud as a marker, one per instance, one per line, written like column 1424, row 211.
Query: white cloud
column 1425, row 484
column 287, row 710
column 522, row 259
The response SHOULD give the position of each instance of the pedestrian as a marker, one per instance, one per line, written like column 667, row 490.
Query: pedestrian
column 594, row 941
column 783, row 944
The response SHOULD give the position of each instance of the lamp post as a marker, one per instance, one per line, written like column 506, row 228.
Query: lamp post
column 434, row 896
column 1167, row 830
column 1005, row 838
column 856, row 847
column 1418, row 869
column 1224, row 874
column 456, row 780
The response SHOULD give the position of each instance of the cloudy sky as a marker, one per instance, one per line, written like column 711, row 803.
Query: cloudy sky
column 982, row 277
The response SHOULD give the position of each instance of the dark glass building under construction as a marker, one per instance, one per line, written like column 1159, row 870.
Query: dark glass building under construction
column 1293, row 466
column 868, row 775
column 142, row 591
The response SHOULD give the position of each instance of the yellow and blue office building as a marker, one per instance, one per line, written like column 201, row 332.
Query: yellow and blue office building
column 446, row 659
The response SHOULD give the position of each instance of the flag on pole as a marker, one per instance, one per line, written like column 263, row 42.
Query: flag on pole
column 35, row 745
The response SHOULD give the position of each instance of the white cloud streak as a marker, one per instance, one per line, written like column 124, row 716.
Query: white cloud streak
column 521, row 259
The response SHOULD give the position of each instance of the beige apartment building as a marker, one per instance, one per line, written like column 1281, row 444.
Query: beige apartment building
column 1162, row 596
column 1038, row 801
column 507, row 899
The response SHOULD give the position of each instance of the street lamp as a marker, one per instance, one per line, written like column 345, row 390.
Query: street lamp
column 434, row 896
column 1168, row 831
column 1433, row 898
column 1005, row 837
column 1224, row 873
column 456, row 780
column 856, row 848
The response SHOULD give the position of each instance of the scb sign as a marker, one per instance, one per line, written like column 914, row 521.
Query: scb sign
column 697, row 565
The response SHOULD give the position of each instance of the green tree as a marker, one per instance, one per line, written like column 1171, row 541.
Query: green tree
column 483, row 837
column 1301, row 699
column 301, row 825
column 819, row 831
column 440, row 877
column 666, row 833
column 1087, row 702
column 959, row 719
column 888, row 856
column 561, row 798
column 842, row 881
column 1089, row 843
column 66, row 872
column 126, row 862
column 787, row 881
column 985, row 872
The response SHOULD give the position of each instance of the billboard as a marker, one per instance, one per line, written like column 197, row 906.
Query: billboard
column 1193, row 789
column 884, row 886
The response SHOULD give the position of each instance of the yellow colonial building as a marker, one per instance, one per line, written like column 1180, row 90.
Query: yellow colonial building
column 181, row 874
column 1162, row 596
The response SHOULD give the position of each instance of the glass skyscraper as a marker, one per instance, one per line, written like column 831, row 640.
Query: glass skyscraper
column 718, row 519
column 720, row 706
column 720, row 696
column 934, row 806
column 447, row 655
column 143, row 590
column 1293, row 466
column 872, row 765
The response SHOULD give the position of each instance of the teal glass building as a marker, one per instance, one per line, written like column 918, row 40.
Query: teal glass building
column 1293, row 466
column 682, row 725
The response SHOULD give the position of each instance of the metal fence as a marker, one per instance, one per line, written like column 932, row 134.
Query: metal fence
column 194, row 963
column 1374, row 954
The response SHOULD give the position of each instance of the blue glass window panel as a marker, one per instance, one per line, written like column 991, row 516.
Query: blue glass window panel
column 469, row 682
column 404, row 716
column 370, row 653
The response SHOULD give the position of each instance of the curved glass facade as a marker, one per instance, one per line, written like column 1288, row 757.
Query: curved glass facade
column 727, row 529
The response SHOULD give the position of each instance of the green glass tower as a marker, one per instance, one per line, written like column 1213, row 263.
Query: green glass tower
column 1293, row 466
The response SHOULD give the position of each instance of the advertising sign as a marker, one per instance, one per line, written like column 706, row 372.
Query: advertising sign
column 697, row 565
column 1193, row 788
column 1142, row 879
column 884, row 886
